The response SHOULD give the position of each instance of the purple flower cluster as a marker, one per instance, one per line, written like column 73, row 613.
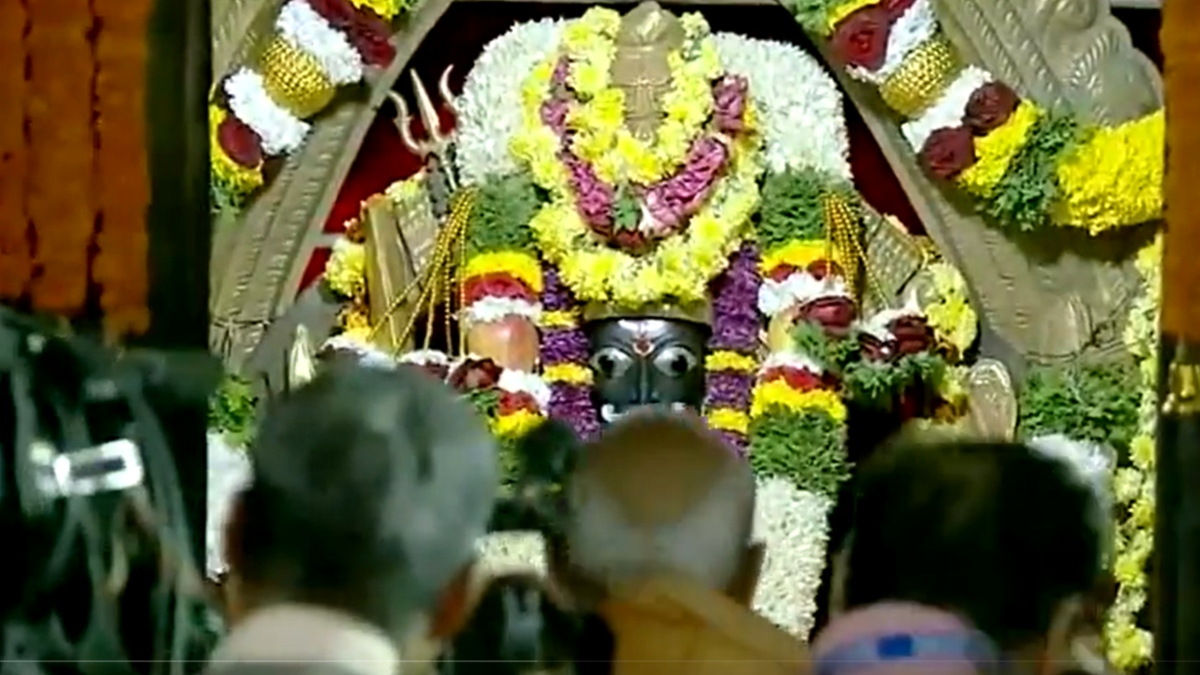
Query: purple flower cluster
column 736, row 327
column 571, row 403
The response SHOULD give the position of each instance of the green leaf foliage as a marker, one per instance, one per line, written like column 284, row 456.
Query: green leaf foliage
column 487, row 402
column 233, row 410
column 806, row 448
column 877, row 385
column 1098, row 404
column 1023, row 197
column 834, row 355
column 791, row 208
column 811, row 14
column 500, row 218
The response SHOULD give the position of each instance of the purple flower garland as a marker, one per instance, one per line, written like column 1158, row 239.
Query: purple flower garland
column 735, row 328
column 571, row 403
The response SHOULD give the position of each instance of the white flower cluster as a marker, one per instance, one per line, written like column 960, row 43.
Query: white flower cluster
column 1089, row 465
column 520, row 382
column 279, row 129
column 799, row 105
column 911, row 30
column 368, row 354
column 794, row 524
column 228, row 474
column 309, row 32
column 493, row 308
column 796, row 289
column 489, row 108
column 948, row 111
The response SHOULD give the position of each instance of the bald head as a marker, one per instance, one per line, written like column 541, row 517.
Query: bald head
column 660, row 494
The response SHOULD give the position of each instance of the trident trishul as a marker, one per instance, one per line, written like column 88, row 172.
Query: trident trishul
column 435, row 150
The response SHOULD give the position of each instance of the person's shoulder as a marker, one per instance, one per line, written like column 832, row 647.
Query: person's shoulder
column 278, row 668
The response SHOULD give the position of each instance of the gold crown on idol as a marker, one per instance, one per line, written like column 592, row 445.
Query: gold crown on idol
column 696, row 312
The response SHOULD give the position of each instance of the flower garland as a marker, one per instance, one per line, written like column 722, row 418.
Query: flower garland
column 501, row 275
column 61, row 194
column 15, row 253
column 121, row 265
column 564, row 357
column 732, row 348
column 572, row 92
column 317, row 46
column 949, row 312
column 1029, row 167
column 1130, row 647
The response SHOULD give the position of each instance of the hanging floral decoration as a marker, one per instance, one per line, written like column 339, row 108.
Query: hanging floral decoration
column 1130, row 647
column 564, row 358
column 259, row 111
column 501, row 275
column 949, row 312
column 733, row 348
column 689, row 194
column 1029, row 168
column 75, row 183
column 16, row 256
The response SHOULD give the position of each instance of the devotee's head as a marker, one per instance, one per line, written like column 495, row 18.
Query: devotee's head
column 998, row 533
column 370, row 488
column 658, row 495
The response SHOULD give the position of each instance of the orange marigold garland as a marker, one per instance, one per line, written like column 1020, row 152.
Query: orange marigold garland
column 14, row 232
column 122, row 175
column 61, row 143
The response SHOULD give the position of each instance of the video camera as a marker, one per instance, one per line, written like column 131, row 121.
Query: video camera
column 100, row 568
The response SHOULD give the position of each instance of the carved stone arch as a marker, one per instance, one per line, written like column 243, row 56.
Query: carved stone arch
column 1056, row 298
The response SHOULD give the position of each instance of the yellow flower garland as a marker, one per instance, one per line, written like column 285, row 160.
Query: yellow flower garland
column 346, row 270
column 951, row 315
column 996, row 151
column 515, row 424
column 1115, row 178
column 779, row 392
column 558, row 319
column 568, row 373
column 521, row 266
column 602, row 138
column 727, row 360
column 681, row 266
column 839, row 13
column 229, row 174
column 1129, row 646
column 728, row 419
column 798, row 253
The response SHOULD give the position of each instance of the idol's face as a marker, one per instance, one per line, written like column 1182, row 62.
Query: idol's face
column 639, row 362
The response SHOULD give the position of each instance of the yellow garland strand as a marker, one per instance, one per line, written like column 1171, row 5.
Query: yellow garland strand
column 346, row 269
column 950, row 314
column 780, row 393
column 997, row 150
column 1129, row 646
column 514, row 424
column 558, row 319
column 568, row 373
column 728, row 419
column 521, row 266
column 1115, row 178
column 229, row 174
column 797, row 253
column 726, row 360
column 839, row 13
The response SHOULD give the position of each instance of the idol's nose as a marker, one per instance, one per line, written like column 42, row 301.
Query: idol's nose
column 646, row 393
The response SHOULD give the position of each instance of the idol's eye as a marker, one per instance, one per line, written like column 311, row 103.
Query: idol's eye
column 675, row 361
column 610, row 362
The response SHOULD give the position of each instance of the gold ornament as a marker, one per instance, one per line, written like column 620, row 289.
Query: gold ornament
column 922, row 77
column 294, row 79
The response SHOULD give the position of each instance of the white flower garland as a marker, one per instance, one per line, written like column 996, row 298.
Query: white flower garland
column 918, row 23
column 794, row 524
column 308, row 31
column 368, row 354
column 948, row 111
column 280, row 131
column 493, row 308
column 228, row 475
column 489, row 108
column 800, row 107
column 797, row 288
column 424, row 357
column 792, row 360
column 520, row 382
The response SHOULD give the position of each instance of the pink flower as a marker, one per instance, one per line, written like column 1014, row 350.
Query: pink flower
column 674, row 199
column 729, row 103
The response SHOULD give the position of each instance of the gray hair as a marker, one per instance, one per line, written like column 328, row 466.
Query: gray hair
column 370, row 480
column 612, row 538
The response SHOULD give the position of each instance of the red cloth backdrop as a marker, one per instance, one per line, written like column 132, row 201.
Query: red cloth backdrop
column 466, row 27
